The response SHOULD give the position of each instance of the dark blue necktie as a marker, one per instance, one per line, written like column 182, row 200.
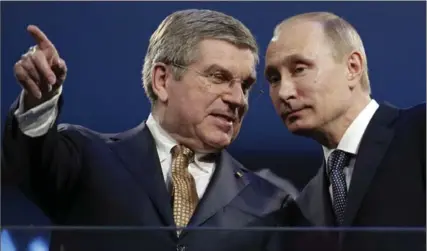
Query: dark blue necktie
column 336, row 163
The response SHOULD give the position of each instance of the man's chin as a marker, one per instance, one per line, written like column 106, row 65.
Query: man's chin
column 219, row 141
column 299, row 129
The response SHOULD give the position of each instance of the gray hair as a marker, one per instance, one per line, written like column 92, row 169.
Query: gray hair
column 176, row 38
column 341, row 34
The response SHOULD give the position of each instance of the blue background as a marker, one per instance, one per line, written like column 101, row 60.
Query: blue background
column 104, row 44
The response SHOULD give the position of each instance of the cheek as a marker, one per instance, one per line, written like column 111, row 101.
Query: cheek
column 308, row 82
column 327, row 102
column 274, row 96
column 314, row 88
column 195, row 100
column 196, row 110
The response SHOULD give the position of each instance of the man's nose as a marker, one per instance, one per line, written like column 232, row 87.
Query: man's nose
column 287, row 90
column 236, row 96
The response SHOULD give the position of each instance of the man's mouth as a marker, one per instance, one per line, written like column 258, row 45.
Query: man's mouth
column 289, row 113
column 226, row 117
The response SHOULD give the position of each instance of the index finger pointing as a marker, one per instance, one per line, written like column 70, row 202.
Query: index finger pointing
column 42, row 41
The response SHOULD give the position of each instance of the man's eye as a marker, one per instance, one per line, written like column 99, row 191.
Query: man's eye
column 299, row 69
column 219, row 77
column 273, row 79
column 246, row 86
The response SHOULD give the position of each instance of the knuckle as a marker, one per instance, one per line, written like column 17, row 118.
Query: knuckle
column 32, row 58
column 26, row 64
column 63, row 63
column 25, row 56
column 35, row 56
column 17, row 65
column 22, row 77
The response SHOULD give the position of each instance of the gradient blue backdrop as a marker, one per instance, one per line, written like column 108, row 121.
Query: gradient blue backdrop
column 104, row 44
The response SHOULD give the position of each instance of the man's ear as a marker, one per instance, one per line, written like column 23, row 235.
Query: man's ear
column 354, row 68
column 159, row 78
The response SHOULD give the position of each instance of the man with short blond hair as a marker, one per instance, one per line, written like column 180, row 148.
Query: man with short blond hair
column 171, row 170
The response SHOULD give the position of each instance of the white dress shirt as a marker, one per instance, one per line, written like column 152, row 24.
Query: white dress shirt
column 38, row 120
column 351, row 139
column 201, row 171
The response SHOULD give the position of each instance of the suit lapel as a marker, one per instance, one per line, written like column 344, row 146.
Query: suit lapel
column 138, row 152
column 224, row 186
column 315, row 201
column 373, row 147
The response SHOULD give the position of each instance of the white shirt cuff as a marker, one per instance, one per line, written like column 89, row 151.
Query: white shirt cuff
column 38, row 120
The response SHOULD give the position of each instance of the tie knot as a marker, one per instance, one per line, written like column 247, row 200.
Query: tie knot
column 338, row 159
column 181, row 150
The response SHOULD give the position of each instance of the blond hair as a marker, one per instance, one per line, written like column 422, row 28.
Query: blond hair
column 177, row 37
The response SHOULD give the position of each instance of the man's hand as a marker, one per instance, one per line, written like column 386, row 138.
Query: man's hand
column 40, row 71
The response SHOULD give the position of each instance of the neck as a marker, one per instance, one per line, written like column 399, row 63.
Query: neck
column 179, row 130
column 331, row 134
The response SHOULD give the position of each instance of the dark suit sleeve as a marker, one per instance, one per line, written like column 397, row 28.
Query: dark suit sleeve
column 283, row 221
column 422, row 138
column 415, row 122
column 298, row 232
column 45, row 168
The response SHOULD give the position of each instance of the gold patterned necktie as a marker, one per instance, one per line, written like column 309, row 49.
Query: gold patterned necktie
column 184, row 192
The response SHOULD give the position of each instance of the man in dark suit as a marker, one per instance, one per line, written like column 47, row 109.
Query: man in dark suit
column 171, row 170
column 373, row 174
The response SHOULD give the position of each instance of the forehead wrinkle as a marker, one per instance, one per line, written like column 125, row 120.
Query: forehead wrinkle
column 289, row 40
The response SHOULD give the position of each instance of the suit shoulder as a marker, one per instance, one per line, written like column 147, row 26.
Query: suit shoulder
column 263, row 183
column 79, row 130
column 281, row 182
column 260, row 185
column 412, row 118
column 417, row 113
column 85, row 132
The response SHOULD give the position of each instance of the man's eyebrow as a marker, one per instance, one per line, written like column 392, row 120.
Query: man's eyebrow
column 216, row 67
column 286, row 61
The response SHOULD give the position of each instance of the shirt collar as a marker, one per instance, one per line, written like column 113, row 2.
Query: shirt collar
column 164, row 142
column 352, row 137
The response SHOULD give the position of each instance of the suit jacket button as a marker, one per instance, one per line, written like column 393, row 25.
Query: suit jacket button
column 181, row 248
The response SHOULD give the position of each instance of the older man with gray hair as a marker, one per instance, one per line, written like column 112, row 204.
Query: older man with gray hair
column 171, row 170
